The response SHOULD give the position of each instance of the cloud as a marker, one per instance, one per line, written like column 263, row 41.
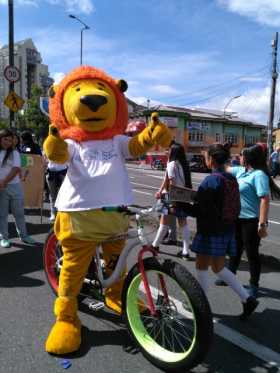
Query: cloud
column 266, row 12
column 252, row 105
column 58, row 76
column 79, row 6
column 164, row 89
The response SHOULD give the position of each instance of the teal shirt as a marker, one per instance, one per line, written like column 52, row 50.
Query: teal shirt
column 253, row 184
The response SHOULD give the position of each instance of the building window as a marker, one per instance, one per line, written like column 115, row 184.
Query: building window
column 251, row 140
column 196, row 136
column 218, row 137
column 231, row 138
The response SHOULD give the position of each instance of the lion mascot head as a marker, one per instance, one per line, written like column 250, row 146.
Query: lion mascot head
column 88, row 105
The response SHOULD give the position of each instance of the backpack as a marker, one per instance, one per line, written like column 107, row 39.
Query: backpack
column 231, row 199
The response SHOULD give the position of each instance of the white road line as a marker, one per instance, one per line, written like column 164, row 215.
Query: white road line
column 140, row 191
column 144, row 185
column 274, row 222
column 245, row 343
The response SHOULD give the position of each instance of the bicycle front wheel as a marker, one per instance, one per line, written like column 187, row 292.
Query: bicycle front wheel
column 179, row 335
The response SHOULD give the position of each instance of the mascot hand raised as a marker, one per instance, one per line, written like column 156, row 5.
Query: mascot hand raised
column 55, row 148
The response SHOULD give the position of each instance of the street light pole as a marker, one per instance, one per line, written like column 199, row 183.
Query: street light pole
column 233, row 98
column 86, row 27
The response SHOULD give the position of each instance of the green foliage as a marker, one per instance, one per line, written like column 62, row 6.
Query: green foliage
column 3, row 124
column 32, row 118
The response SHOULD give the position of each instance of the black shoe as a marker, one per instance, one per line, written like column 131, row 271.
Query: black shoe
column 156, row 248
column 183, row 256
column 248, row 308
column 170, row 242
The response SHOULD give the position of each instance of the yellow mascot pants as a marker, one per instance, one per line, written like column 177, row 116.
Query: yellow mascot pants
column 80, row 233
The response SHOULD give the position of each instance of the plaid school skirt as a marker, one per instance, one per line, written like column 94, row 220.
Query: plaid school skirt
column 214, row 245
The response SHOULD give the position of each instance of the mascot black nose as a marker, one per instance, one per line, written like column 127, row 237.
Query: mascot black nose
column 93, row 102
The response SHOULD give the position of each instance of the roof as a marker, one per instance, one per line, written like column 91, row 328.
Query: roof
column 201, row 114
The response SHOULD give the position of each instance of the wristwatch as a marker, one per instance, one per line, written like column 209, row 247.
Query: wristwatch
column 263, row 225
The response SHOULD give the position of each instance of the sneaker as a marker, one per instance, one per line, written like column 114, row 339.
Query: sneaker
column 5, row 243
column 220, row 283
column 248, row 308
column 253, row 291
column 52, row 218
column 183, row 256
column 29, row 240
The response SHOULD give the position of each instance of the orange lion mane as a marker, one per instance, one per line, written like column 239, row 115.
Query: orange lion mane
column 58, row 118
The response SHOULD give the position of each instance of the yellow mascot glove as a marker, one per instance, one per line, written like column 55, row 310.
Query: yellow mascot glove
column 156, row 133
column 55, row 148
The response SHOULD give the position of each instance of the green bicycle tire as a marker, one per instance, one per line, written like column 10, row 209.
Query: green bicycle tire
column 203, row 323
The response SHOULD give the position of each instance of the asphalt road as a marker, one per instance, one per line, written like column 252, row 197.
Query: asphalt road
column 26, row 312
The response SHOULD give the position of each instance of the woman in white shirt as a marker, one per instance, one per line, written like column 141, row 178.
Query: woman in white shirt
column 178, row 174
column 11, row 192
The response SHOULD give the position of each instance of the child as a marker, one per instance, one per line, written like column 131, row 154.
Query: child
column 215, row 231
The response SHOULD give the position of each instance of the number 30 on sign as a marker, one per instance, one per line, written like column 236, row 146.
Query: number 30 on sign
column 12, row 74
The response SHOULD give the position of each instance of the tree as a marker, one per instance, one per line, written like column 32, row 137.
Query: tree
column 32, row 117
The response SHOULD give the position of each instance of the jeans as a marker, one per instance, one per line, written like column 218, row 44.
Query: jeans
column 247, row 238
column 54, row 180
column 12, row 198
column 275, row 169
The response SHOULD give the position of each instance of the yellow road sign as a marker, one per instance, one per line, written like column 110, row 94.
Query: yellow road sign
column 14, row 102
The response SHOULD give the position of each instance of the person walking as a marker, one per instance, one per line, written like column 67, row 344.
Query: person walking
column 29, row 146
column 178, row 174
column 11, row 192
column 275, row 162
column 256, row 186
column 55, row 174
column 216, row 208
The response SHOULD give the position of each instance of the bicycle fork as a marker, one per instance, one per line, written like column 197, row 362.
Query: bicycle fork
column 151, row 304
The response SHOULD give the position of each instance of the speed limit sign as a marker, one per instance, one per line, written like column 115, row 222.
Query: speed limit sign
column 12, row 74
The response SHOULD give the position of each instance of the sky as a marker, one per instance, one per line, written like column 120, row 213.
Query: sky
column 193, row 53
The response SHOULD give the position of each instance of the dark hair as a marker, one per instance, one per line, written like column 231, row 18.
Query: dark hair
column 177, row 153
column 255, row 157
column 17, row 147
column 220, row 153
column 6, row 133
column 26, row 136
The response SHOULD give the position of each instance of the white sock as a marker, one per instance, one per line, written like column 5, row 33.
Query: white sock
column 186, row 239
column 229, row 278
column 162, row 230
column 203, row 279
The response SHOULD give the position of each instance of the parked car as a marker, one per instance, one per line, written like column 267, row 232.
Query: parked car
column 197, row 163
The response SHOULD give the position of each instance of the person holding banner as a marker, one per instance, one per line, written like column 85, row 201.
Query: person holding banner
column 178, row 174
column 11, row 193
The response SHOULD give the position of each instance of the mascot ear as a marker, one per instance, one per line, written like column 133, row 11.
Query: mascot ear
column 122, row 84
column 52, row 90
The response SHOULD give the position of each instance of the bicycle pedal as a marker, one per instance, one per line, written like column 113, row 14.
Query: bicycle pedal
column 93, row 304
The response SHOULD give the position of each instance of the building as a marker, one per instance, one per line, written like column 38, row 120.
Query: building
column 197, row 128
column 29, row 61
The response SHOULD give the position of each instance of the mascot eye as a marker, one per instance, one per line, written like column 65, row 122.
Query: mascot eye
column 78, row 89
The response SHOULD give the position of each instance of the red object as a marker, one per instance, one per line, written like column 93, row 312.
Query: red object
column 135, row 126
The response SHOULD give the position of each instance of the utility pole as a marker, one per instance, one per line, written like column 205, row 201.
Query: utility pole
column 274, row 76
column 11, row 52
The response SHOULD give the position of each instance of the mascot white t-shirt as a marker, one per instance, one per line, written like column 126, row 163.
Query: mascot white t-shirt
column 96, row 176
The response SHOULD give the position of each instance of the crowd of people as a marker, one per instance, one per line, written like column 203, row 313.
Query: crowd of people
column 231, row 206
column 12, row 146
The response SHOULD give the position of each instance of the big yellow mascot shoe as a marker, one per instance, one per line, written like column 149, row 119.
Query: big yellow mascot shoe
column 65, row 335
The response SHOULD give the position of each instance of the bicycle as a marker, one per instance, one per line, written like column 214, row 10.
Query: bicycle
column 165, row 310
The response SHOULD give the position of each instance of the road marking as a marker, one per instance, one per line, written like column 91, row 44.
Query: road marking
column 274, row 222
column 245, row 343
column 140, row 191
column 144, row 185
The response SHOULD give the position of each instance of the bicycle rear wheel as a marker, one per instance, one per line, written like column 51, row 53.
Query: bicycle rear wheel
column 178, row 337
column 52, row 258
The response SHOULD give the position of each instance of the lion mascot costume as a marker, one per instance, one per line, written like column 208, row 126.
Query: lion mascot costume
column 89, row 114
